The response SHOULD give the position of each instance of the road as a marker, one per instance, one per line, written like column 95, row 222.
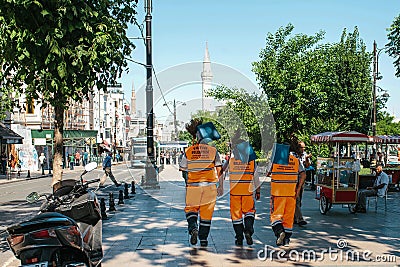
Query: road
column 14, row 208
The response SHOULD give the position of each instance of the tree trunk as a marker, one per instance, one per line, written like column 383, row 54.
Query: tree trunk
column 58, row 144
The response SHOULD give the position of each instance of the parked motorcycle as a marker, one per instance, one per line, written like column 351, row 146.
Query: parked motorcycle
column 67, row 231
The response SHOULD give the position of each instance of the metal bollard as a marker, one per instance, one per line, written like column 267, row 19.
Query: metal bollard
column 103, row 209
column 111, row 203
column 133, row 189
column 120, row 198
column 126, row 192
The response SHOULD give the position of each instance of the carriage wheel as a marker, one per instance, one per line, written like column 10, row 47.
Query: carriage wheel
column 324, row 205
column 352, row 208
column 330, row 205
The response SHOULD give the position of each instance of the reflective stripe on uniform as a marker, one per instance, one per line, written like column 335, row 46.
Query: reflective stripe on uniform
column 200, row 163
column 284, row 178
column 241, row 177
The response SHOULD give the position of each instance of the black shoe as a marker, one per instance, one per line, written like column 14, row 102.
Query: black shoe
column 249, row 239
column 193, row 236
column 101, row 186
column 204, row 243
column 302, row 223
column 118, row 185
column 280, row 239
column 239, row 242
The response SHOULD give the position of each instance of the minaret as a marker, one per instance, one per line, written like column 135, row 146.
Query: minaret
column 133, row 101
column 206, row 77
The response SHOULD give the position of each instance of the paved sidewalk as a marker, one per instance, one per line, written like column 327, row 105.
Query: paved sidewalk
column 150, row 230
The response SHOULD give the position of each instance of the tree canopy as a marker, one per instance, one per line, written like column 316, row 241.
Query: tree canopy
column 393, row 46
column 58, row 51
column 305, row 80
column 248, row 112
column 386, row 126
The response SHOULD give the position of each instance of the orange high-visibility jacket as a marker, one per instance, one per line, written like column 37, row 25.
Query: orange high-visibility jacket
column 241, row 177
column 284, row 178
column 201, row 163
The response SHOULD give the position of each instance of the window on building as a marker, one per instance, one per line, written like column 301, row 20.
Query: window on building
column 108, row 133
column 105, row 102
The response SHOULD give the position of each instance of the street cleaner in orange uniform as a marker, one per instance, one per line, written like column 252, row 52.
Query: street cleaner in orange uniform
column 203, row 166
column 286, row 183
column 244, row 181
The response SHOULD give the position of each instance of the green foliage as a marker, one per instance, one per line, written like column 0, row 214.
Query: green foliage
column 318, row 125
column 58, row 51
column 306, row 81
column 248, row 112
column 61, row 49
column 386, row 126
column 185, row 136
column 393, row 46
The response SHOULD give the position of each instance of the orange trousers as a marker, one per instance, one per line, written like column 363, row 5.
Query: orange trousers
column 201, row 199
column 282, row 211
column 241, row 205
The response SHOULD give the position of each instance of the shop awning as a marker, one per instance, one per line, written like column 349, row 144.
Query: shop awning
column 7, row 136
column 67, row 134
column 350, row 136
column 389, row 139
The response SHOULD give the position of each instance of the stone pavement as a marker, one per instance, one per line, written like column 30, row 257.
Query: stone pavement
column 150, row 230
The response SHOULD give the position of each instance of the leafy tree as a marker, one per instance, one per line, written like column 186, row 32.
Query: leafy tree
column 58, row 51
column 185, row 136
column 393, row 46
column 386, row 126
column 304, row 80
column 248, row 112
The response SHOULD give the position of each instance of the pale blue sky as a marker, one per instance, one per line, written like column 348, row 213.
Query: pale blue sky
column 236, row 31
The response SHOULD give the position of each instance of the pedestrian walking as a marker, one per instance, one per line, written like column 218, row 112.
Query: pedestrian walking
column 42, row 158
column 71, row 162
column 285, row 187
column 306, row 162
column 244, row 182
column 107, row 171
column 77, row 158
column 85, row 158
column 200, row 162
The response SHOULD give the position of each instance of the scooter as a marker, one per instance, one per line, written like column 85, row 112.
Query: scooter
column 67, row 232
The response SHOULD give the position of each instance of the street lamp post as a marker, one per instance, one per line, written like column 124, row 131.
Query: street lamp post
column 174, row 103
column 150, row 169
column 375, row 78
column 115, row 130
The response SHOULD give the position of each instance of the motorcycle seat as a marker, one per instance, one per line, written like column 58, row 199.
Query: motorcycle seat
column 40, row 221
column 48, row 215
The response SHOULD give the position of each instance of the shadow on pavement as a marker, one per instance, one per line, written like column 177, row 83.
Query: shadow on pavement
column 150, row 229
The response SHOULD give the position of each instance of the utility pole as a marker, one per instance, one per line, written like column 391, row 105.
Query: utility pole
column 175, row 124
column 375, row 74
column 115, row 129
column 150, row 169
